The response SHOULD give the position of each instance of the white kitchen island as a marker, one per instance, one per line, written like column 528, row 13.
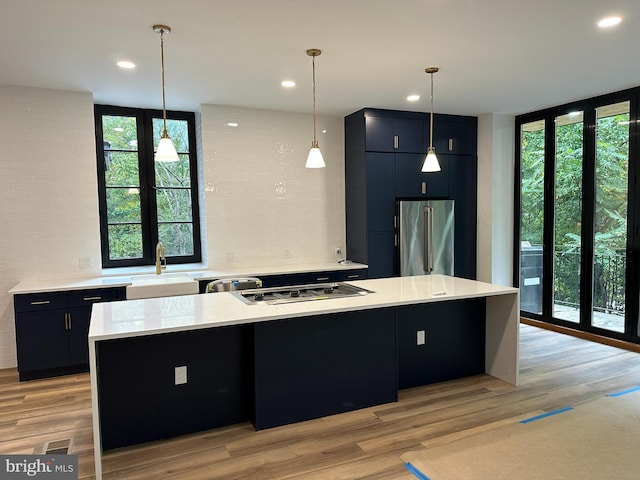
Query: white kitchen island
column 128, row 335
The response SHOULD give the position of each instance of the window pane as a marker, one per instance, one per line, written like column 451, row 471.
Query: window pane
column 121, row 169
column 177, row 238
column 119, row 133
column 174, row 205
column 125, row 242
column 612, row 175
column 123, row 205
column 532, row 216
column 173, row 174
column 178, row 132
column 568, row 217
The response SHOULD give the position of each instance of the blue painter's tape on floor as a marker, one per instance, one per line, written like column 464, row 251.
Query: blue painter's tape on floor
column 409, row 466
column 545, row 415
column 623, row 392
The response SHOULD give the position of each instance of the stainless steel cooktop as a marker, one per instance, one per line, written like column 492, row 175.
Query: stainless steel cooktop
column 299, row 293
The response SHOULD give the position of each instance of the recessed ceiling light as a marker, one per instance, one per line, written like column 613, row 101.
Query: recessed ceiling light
column 288, row 83
column 413, row 98
column 231, row 124
column 609, row 22
column 126, row 64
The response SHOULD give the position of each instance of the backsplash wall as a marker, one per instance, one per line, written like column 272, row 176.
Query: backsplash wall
column 261, row 206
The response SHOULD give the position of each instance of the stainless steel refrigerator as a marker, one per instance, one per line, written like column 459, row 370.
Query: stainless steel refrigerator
column 425, row 232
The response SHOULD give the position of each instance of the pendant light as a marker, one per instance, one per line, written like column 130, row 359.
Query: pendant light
column 431, row 163
column 314, row 160
column 166, row 151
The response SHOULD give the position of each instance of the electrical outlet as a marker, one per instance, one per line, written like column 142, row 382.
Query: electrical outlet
column 84, row 262
column 181, row 375
column 421, row 337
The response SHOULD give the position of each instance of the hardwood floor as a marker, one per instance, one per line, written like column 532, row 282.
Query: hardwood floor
column 555, row 371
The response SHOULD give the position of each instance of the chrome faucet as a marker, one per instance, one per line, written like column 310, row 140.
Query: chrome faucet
column 161, row 260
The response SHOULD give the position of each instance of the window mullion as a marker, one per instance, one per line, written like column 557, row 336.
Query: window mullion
column 149, row 217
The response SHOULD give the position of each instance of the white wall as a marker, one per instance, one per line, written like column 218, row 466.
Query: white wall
column 495, row 198
column 48, row 194
column 260, row 201
column 263, row 207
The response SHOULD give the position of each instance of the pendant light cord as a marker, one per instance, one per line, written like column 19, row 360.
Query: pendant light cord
column 431, row 117
column 313, row 66
column 164, row 109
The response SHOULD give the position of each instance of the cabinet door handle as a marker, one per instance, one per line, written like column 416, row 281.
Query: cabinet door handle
column 41, row 302
column 396, row 142
column 69, row 321
column 395, row 240
column 424, row 188
column 353, row 276
column 66, row 321
column 322, row 279
column 395, row 221
column 89, row 299
column 450, row 144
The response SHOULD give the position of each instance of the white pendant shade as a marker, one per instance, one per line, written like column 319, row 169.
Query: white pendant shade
column 431, row 163
column 166, row 151
column 315, row 160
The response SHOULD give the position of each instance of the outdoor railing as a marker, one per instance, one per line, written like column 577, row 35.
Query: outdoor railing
column 608, row 272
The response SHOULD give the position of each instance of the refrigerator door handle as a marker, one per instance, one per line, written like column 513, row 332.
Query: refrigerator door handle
column 428, row 239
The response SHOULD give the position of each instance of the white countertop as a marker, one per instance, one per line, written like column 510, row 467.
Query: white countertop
column 38, row 286
column 173, row 314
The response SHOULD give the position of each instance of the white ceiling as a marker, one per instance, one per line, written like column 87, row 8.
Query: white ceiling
column 503, row 56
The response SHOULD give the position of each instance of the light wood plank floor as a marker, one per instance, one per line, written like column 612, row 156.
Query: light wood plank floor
column 556, row 371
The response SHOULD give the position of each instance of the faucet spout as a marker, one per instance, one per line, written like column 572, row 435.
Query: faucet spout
column 161, row 259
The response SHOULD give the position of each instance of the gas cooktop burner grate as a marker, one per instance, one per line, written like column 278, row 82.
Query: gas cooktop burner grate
column 299, row 293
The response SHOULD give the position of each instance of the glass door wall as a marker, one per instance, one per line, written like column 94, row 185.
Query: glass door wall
column 577, row 233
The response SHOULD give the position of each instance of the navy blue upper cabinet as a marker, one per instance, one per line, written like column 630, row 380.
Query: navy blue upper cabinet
column 388, row 131
column 380, row 196
column 411, row 182
column 455, row 134
column 384, row 152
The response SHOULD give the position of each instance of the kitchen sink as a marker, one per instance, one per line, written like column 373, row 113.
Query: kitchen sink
column 165, row 285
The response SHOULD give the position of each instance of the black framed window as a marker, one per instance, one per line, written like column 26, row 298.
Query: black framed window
column 577, row 251
column 143, row 201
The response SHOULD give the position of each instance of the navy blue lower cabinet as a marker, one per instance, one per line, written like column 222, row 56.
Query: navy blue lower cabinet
column 454, row 341
column 283, row 280
column 323, row 277
column 52, row 330
column 322, row 365
column 139, row 400
column 43, row 341
column 352, row 275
